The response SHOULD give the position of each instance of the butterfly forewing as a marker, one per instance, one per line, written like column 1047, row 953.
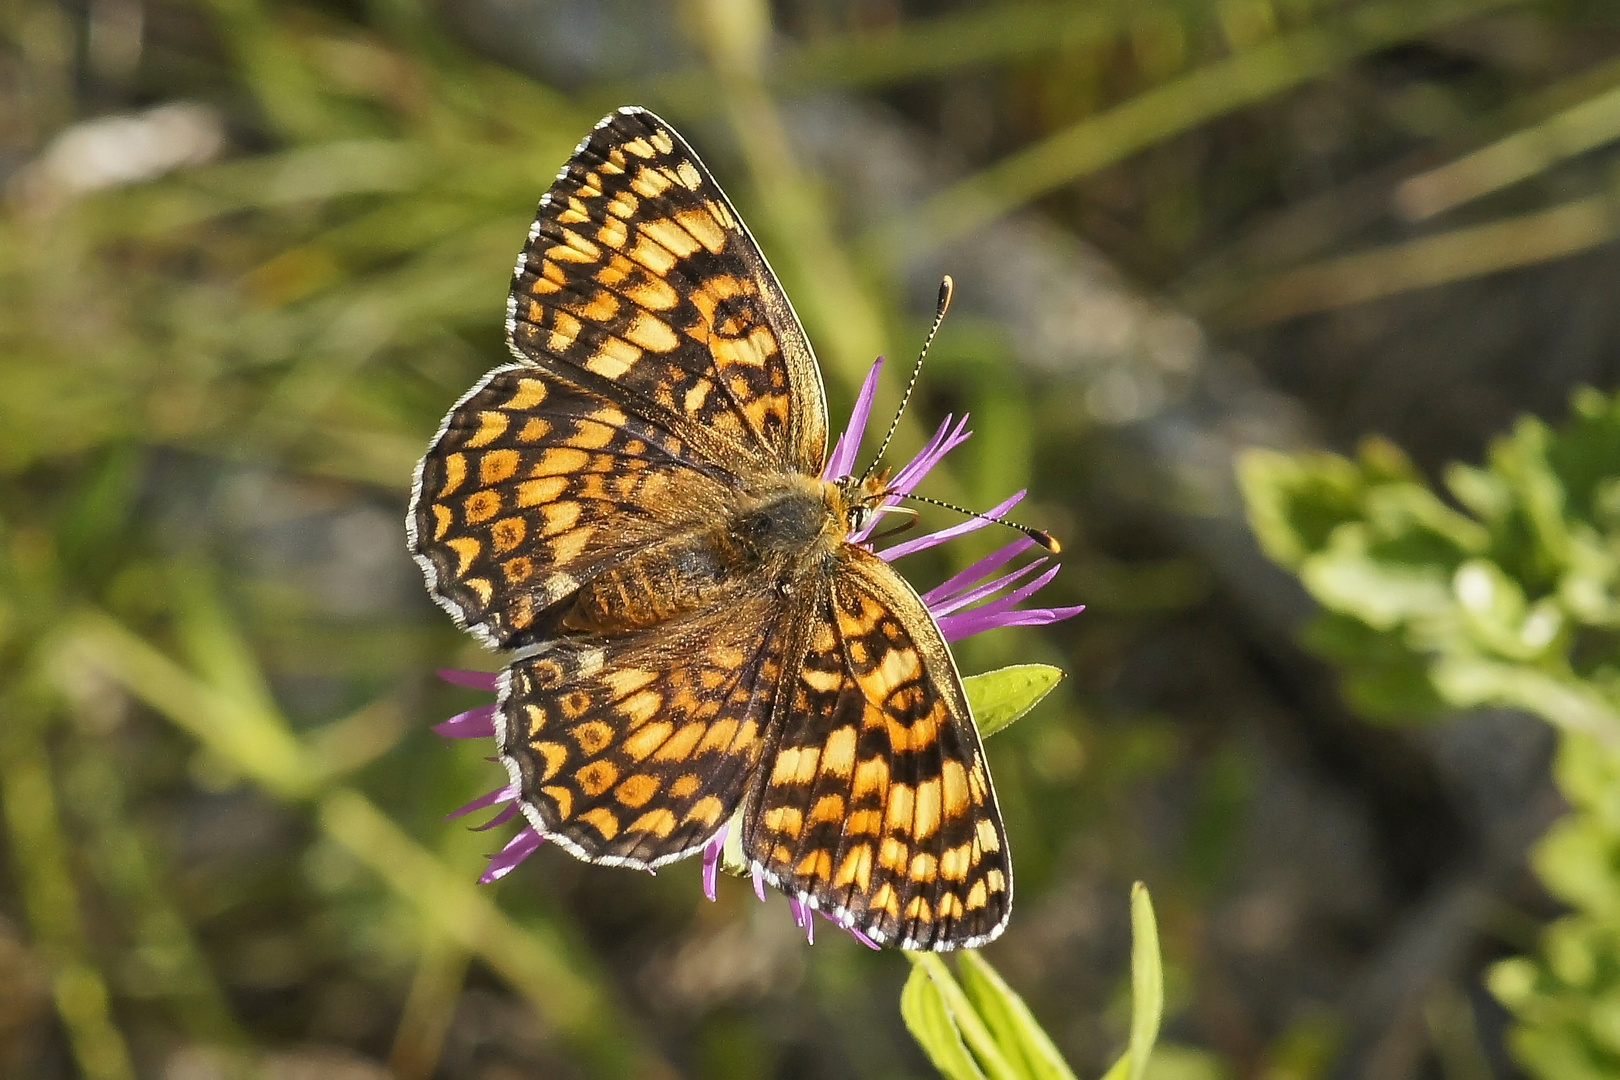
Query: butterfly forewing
column 531, row 487
column 639, row 281
column 876, row 804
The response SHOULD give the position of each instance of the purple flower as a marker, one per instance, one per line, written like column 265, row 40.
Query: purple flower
column 963, row 605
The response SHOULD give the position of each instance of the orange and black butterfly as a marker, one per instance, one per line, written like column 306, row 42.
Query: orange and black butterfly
column 636, row 506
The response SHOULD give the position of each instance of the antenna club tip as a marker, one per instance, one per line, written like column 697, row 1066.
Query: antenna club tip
column 1046, row 540
column 947, row 289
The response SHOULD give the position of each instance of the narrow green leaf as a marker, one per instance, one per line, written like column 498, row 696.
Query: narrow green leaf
column 1029, row 1049
column 1147, row 980
column 922, row 1006
column 999, row 697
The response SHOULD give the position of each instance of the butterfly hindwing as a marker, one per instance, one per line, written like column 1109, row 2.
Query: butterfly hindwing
column 875, row 803
column 635, row 750
column 531, row 486
column 640, row 281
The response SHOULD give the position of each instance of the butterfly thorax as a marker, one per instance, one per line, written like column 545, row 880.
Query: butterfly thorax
column 782, row 532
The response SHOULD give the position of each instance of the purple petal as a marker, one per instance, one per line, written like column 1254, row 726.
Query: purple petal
column 521, row 847
column 968, row 623
column 934, row 539
column 803, row 917
column 944, row 441
column 989, row 588
column 478, row 680
column 508, row 812
column 473, row 724
column 759, row 884
column 841, row 462
column 711, row 859
column 505, row 794
column 990, row 563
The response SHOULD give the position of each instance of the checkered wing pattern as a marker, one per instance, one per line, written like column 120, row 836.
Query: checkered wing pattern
column 876, row 806
column 641, row 283
column 533, row 486
column 632, row 752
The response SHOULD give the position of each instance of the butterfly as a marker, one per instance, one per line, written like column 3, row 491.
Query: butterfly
column 635, row 508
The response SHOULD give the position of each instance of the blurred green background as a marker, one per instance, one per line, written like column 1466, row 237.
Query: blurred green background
column 252, row 250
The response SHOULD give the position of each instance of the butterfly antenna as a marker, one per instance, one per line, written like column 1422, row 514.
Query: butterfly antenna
column 947, row 288
column 1040, row 536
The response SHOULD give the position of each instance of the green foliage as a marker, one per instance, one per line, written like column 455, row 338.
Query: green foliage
column 999, row 697
column 979, row 1029
column 1512, row 600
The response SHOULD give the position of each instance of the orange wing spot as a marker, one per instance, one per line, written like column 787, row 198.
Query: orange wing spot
column 553, row 755
column 824, row 681
column 977, row 787
column 482, row 587
column 529, row 393
column 521, row 613
column 704, row 229
column 562, row 798
column 642, row 707
column 567, row 547
column 590, row 435
column 674, row 239
column 950, row 907
column 603, row 821
column 659, row 822
column 785, row 819
column 575, row 213
column 955, row 783
column 637, row 791
column 886, row 899
column 579, row 249
column 649, row 183
column 602, row 308
column 536, row 717
column 686, row 784
column 918, row 735
column 645, row 739
column 467, row 548
column 443, row 518
column 680, row 747
column 978, row 896
column 996, row 880
column 481, row 506
column 899, row 667
column 560, row 517
column 613, row 359
column 655, row 294
column 722, row 213
column 628, row 680
column 856, row 869
column 497, row 465
column 689, row 175
column 508, row 533
column 455, row 472
column 719, row 736
column 564, row 332
column 954, row 863
column 893, row 855
column 593, row 736
column 534, row 429
column 623, row 204
column 652, row 333
column 871, row 777
column 923, row 867
column 838, row 753
column 518, row 570
column 708, row 810
column 926, row 820
column 828, row 808
column 613, row 233
column 639, row 147
column 491, row 426
column 986, row 832
column 817, row 864
column 865, row 822
column 920, row 910
column 662, row 141
column 540, row 492
column 786, row 766
column 780, row 854
column 560, row 461
column 902, row 802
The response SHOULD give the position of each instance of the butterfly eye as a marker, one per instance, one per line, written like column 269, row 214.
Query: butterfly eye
column 860, row 517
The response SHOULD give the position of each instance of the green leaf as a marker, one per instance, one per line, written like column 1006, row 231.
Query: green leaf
column 923, row 1008
column 999, row 697
column 1147, row 989
column 1028, row 1048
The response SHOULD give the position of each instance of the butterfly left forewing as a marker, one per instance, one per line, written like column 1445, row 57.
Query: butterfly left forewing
column 874, row 802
